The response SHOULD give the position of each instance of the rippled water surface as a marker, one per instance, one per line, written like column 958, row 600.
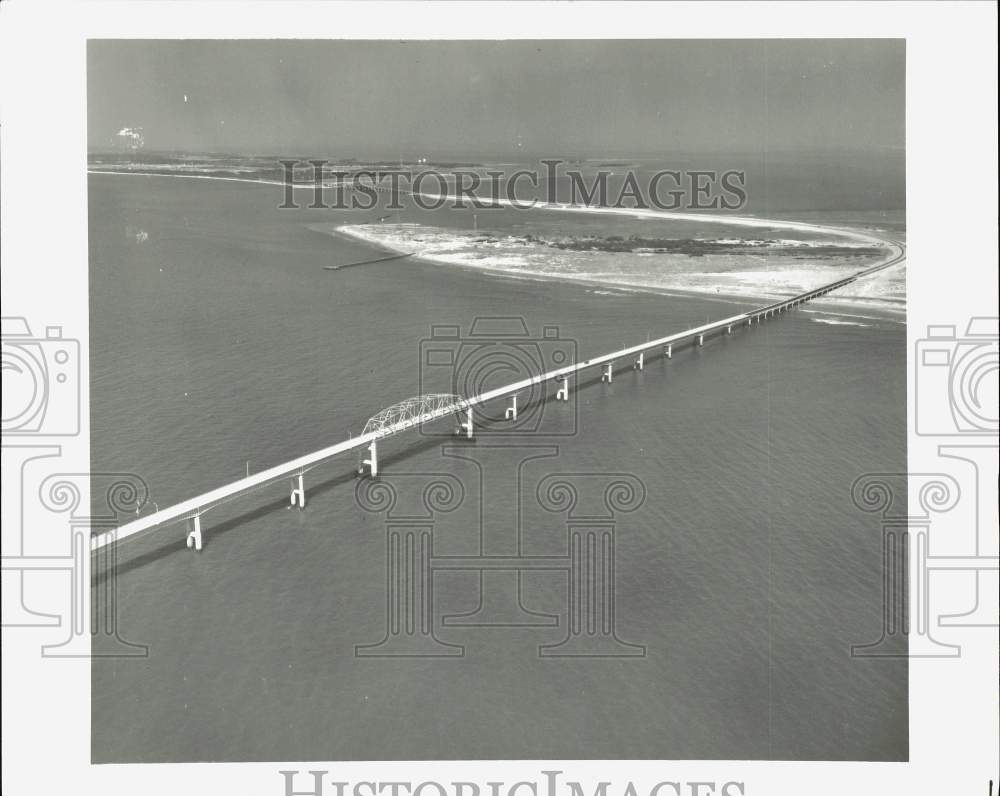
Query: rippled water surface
column 219, row 343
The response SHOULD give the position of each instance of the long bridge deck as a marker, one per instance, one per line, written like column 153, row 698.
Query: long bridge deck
column 193, row 508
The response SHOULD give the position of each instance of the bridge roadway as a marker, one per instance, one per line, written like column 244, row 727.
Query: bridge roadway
column 193, row 508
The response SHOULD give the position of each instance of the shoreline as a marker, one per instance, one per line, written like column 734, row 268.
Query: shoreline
column 837, row 303
column 889, row 310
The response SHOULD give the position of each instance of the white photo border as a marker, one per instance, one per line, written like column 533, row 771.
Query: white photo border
column 951, row 139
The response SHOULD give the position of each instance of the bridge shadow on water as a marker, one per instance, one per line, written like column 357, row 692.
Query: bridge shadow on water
column 177, row 544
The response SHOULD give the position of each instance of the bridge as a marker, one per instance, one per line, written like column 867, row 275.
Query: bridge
column 417, row 411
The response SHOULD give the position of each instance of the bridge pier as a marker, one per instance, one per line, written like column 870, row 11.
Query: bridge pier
column 298, row 492
column 194, row 538
column 423, row 408
column 466, row 425
column 371, row 462
column 511, row 412
column 668, row 352
column 637, row 365
column 562, row 394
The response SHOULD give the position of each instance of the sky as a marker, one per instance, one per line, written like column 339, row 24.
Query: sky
column 389, row 99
